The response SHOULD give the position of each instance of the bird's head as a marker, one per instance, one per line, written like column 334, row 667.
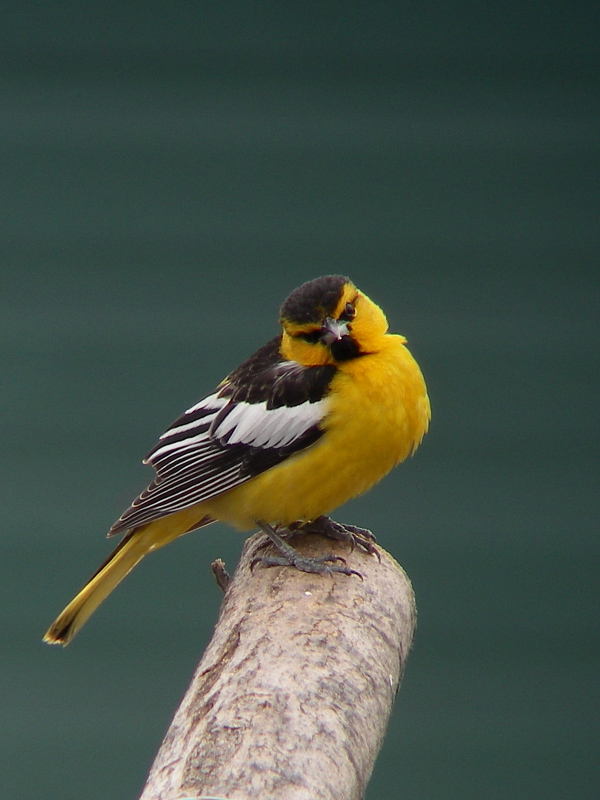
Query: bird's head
column 329, row 321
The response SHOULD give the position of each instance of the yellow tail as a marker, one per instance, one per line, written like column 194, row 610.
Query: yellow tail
column 122, row 560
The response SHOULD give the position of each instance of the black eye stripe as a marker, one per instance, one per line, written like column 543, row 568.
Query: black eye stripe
column 312, row 337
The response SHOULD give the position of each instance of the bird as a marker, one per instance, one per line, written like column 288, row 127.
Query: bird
column 313, row 418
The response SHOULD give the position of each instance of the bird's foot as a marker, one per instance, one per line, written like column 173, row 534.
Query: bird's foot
column 290, row 557
column 354, row 536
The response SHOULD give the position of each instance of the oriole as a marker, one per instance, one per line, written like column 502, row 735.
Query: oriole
column 314, row 418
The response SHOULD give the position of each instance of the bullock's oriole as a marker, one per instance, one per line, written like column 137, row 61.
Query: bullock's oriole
column 315, row 417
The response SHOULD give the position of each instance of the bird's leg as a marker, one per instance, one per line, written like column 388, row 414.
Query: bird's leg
column 290, row 557
column 351, row 534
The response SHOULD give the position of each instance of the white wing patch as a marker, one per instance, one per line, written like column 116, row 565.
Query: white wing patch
column 211, row 405
column 256, row 425
column 251, row 424
column 218, row 444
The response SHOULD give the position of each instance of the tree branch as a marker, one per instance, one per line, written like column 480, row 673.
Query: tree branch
column 292, row 697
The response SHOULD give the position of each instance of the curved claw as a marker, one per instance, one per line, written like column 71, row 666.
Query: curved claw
column 323, row 565
column 351, row 534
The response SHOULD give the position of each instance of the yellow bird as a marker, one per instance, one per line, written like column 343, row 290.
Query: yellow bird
column 314, row 418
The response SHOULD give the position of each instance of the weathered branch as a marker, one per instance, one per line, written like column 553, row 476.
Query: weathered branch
column 292, row 697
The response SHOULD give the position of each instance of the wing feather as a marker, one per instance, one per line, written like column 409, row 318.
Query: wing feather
column 264, row 412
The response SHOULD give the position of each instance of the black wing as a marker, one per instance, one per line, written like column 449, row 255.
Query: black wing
column 263, row 412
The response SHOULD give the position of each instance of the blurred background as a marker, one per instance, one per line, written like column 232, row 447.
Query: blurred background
column 170, row 172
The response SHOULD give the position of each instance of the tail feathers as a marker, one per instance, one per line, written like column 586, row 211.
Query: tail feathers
column 121, row 561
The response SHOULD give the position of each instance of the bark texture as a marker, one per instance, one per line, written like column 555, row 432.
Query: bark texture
column 292, row 697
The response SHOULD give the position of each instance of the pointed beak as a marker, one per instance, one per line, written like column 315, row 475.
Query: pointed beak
column 333, row 331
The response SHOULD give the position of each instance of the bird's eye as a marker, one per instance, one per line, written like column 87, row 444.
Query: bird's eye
column 312, row 337
column 348, row 313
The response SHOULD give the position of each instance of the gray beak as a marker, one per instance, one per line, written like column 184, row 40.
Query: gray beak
column 333, row 331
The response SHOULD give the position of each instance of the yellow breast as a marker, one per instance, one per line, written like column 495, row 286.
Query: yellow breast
column 378, row 414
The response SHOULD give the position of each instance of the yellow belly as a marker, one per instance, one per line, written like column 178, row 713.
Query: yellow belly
column 379, row 412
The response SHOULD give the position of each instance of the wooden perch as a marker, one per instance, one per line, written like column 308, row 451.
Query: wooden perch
column 292, row 697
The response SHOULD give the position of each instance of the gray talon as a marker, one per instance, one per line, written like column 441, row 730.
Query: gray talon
column 289, row 556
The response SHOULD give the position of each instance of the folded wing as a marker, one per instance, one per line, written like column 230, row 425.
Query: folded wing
column 264, row 412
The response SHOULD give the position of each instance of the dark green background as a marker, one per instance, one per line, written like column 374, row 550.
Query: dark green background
column 170, row 171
